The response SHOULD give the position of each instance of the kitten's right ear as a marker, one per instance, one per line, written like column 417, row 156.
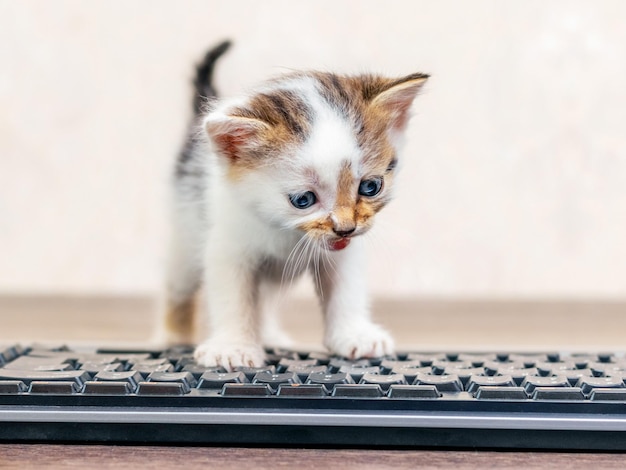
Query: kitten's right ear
column 234, row 135
column 397, row 96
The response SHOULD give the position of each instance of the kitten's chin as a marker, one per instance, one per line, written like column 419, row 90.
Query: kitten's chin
column 340, row 244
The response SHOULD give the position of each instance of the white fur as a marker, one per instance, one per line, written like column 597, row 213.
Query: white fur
column 249, row 220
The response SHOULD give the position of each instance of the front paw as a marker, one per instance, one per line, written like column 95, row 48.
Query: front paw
column 229, row 354
column 353, row 342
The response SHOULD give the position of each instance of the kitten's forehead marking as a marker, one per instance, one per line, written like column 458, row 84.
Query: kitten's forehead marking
column 331, row 143
column 345, row 186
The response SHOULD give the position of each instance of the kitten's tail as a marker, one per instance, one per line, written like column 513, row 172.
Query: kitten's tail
column 203, row 81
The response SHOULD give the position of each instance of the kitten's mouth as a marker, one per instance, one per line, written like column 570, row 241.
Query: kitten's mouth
column 340, row 244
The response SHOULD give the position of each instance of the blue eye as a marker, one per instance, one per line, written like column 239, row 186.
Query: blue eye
column 371, row 187
column 303, row 200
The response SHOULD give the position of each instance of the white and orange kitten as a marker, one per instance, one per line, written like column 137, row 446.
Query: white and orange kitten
column 280, row 182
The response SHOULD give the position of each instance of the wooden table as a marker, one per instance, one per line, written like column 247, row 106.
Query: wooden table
column 423, row 324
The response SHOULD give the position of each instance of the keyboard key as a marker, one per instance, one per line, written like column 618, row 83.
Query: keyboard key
column 554, row 368
column 336, row 364
column 27, row 376
column 329, row 380
column 357, row 391
column 444, row 383
column 357, row 372
column 553, row 357
column 439, row 367
column 197, row 370
column 284, row 364
column 410, row 372
column 161, row 388
column 10, row 387
column 518, row 375
column 107, row 388
column 303, row 371
column 530, row 383
column 182, row 361
column 132, row 377
column 587, row 384
column 426, row 360
column 387, row 365
column 575, row 375
column 250, row 372
column 148, row 368
column 185, row 378
column 135, row 358
column 322, row 358
column 609, row 369
column 131, row 355
column 274, row 380
column 177, row 353
column 475, row 359
column 281, row 353
column 452, row 356
column 38, row 363
column 413, row 392
column 606, row 357
column 273, row 359
column 94, row 367
column 246, row 390
column 476, row 381
column 301, row 391
column 528, row 360
column 464, row 374
column 558, row 393
column 608, row 394
column 488, row 392
column 54, row 388
column 385, row 381
column 217, row 380
column 36, row 348
column 10, row 352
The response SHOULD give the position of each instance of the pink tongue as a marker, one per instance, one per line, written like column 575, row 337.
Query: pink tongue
column 339, row 244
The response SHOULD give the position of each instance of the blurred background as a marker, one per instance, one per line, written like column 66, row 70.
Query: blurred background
column 514, row 168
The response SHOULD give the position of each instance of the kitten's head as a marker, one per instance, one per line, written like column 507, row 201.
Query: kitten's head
column 315, row 152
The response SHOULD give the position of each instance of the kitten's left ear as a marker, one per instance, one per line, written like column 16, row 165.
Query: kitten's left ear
column 397, row 97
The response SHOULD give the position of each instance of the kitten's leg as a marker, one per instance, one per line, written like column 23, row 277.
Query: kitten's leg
column 272, row 333
column 232, row 297
column 184, row 274
column 350, row 331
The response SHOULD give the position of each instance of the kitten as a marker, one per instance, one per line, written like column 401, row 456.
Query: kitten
column 276, row 183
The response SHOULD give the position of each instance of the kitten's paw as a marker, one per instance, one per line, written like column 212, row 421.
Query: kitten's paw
column 229, row 354
column 367, row 340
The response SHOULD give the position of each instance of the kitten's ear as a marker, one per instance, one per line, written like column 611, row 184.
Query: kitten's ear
column 396, row 98
column 234, row 135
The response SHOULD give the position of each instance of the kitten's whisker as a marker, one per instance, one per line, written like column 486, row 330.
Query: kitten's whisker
column 317, row 279
column 291, row 263
column 329, row 262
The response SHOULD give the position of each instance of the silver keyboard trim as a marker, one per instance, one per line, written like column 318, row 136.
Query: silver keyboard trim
column 333, row 418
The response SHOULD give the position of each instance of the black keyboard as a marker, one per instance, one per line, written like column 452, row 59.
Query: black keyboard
column 303, row 398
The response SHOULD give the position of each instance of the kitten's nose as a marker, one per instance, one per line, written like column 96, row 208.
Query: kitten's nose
column 345, row 233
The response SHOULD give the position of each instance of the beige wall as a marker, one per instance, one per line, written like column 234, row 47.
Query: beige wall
column 515, row 167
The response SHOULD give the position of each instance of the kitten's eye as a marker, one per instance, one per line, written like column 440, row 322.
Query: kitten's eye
column 303, row 200
column 371, row 187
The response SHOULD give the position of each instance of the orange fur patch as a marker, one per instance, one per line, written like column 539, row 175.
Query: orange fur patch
column 316, row 226
column 180, row 319
column 346, row 198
